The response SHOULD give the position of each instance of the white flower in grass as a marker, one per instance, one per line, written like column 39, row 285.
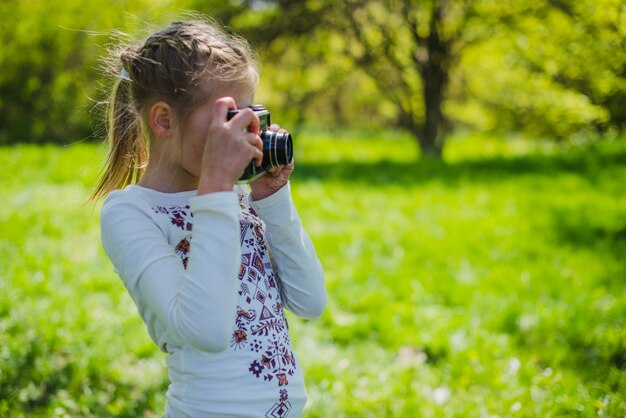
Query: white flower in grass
column 441, row 395
column 514, row 366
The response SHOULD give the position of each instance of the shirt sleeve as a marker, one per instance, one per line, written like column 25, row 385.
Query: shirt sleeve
column 300, row 271
column 197, row 304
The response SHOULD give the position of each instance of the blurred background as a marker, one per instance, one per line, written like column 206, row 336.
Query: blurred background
column 548, row 68
column 461, row 168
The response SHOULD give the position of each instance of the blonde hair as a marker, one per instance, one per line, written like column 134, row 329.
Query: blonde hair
column 170, row 65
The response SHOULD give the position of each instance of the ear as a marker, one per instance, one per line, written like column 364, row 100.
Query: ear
column 161, row 119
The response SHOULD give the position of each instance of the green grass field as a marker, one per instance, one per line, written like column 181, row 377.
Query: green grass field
column 489, row 285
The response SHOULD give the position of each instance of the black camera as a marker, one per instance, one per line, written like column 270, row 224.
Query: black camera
column 277, row 146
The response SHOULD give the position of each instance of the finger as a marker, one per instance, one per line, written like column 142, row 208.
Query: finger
column 274, row 127
column 257, row 143
column 255, row 126
column 222, row 106
column 258, row 157
column 246, row 120
column 255, row 140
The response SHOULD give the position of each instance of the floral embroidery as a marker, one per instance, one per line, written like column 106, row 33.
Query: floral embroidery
column 182, row 249
column 179, row 215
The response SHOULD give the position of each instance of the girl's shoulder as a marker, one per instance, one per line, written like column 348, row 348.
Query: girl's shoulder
column 141, row 197
column 141, row 204
column 138, row 203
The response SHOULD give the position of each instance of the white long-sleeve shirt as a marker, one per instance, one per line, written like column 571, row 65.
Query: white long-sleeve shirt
column 210, row 275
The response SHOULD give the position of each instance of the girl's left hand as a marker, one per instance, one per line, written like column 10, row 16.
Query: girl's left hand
column 274, row 179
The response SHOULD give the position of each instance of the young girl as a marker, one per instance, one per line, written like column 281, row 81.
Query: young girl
column 209, row 263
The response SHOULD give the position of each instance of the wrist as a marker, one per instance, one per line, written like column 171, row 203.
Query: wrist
column 211, row 184
column 257, row 194
column 262, row 191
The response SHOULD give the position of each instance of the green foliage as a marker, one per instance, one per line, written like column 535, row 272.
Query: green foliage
column 51, row 54
column 549, row 70
column 490, row 284
column 554, row 69
column 43, row 71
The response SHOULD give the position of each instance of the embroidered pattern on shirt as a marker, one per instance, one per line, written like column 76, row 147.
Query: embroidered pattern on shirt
column 261, row 326
column 179, row 215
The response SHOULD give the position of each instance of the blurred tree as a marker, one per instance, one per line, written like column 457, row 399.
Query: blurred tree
column 594, row 38
column 552, row 68
column 407, row 51
column 434, row 63
column 50, row 58
column 43, row 71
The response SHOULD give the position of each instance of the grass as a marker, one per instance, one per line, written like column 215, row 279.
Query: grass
column 492, row 284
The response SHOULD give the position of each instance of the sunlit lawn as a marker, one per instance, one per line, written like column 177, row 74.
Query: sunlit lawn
column 493, row 284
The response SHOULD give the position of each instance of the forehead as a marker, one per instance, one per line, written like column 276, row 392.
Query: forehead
column 242, row 92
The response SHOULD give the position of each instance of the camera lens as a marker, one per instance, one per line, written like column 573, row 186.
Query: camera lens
column 277, row 148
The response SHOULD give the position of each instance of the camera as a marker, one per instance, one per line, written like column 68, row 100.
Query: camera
column 277, row 146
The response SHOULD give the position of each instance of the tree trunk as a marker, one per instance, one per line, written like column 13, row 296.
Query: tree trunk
column 431, row 138
column 425, row 135
column 434, row 72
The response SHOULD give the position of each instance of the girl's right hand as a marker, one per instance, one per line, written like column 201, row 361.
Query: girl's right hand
column 229, row 147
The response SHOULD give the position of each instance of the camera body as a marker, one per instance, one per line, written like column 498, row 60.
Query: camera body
column 262, row 113
column 277, row 146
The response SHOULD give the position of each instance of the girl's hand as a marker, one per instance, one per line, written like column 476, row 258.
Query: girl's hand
column 274, row 179
column 229, row 147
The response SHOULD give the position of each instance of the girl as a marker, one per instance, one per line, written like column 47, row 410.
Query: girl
column 210, row 264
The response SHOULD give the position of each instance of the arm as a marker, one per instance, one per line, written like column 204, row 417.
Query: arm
column 196, row 305
column 300, row 271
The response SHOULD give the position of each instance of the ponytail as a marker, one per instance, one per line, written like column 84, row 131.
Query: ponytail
column 128, row 153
